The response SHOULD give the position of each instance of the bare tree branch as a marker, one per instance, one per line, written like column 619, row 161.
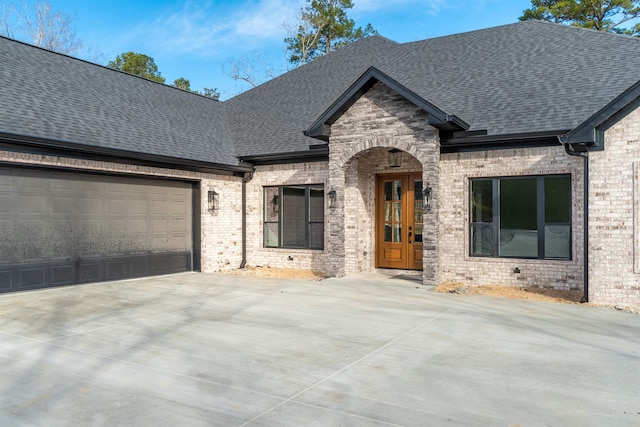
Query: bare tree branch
column 322, row 26
column 40, row 25
column 305, row 36
column 252, row 68
column 5, row 20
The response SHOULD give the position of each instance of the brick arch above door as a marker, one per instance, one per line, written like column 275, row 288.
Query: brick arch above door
column 382, row 118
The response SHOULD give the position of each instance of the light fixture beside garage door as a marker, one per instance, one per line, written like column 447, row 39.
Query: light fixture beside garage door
column 214, row 202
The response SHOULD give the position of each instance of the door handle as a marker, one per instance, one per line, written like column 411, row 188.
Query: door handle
column 410, row 234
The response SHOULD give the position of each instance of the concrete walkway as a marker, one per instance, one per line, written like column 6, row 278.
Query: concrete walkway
column 197, row 349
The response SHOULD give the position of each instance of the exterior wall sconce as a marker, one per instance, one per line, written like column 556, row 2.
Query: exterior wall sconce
column 395, row 158
column 213, row 201
column 427, row 198
column 332, row 198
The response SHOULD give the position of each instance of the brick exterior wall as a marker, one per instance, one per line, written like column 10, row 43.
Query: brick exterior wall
column 291, row 174
column 360, row 140
column 222, row 229
column 220, row 233
column 378, row 121
column 455, row 263
column 614, row 221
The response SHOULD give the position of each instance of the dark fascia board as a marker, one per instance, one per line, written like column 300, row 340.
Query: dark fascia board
column 464, row 142
column 31, row 144
column 317, row 153
column 591, row 131
column 437, row 117
column 499, row 142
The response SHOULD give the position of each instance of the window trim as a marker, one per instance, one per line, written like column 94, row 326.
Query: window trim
column 540, row 214
column 280, row 221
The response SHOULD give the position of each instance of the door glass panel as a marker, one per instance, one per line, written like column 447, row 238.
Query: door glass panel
column 417, row 190
column 397, row 232
column 388, row 190
column 387, row 211
column 418, row 231
column 397, row 212
column 387, row 233
column 417, row 221
column 397, row 190
column 417, row 211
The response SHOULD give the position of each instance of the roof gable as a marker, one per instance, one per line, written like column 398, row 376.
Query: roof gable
column 437, row 117
column 529, row 78
column 591, row 131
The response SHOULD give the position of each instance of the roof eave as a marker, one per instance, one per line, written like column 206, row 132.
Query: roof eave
column 57, row 147
column 591, row 131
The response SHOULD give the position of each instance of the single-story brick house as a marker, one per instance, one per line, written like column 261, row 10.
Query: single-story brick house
column 506, row 156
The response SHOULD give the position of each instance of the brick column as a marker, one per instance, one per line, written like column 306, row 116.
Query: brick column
column 381, row 119
column 336, row 238
column 431, row 224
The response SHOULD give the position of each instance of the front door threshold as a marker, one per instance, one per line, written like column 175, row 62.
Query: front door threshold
column 399, row 271
column 410, row 276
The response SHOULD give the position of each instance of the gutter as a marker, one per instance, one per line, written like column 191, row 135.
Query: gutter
column 315, row 153
column 480, row 141
column 37, row 145
column 247, row 177
column 570, row 150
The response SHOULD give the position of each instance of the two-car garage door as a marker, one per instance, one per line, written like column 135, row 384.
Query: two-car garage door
column 60, row 228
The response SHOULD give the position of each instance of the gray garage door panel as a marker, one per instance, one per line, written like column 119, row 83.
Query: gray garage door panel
column 60, row 228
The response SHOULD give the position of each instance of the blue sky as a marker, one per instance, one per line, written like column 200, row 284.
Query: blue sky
column 196, row 39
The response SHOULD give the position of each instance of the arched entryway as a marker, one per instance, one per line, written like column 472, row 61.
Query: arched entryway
column 361, row 177
column 381, row 214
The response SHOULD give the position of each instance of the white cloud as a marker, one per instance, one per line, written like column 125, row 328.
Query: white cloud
column 266, row 19
column 209, row 31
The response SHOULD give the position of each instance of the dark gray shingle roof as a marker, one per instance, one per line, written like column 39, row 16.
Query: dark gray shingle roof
column 271, row 118
column 52, row 96
column 526, row 77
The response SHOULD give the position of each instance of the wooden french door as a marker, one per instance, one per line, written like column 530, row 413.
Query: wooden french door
column 399, row 211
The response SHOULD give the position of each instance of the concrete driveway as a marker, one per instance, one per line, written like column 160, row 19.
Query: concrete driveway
column 197, row 349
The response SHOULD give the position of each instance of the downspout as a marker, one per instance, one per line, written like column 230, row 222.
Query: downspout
column 247, row 177
column 585, row 160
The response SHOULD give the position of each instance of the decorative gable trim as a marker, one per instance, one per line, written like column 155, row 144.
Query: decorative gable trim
column 591, row 132
column 321, row 128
